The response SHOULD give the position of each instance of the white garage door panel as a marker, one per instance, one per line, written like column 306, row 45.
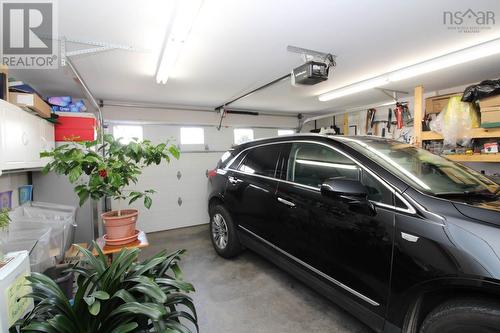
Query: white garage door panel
column 166, row 213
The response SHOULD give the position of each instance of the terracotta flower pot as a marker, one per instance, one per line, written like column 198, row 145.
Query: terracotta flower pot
column 120, row 226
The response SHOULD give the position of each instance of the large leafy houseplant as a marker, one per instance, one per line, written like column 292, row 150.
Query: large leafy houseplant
column 106, row 170
column 109, row 173
column 124, row 296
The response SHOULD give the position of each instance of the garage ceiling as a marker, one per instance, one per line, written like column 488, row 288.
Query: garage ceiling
column 237, row 45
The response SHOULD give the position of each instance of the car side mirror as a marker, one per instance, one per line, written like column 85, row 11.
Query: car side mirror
column 344, row 188
column 349, row 191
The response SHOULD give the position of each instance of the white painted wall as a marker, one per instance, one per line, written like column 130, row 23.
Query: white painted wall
column 160, row 125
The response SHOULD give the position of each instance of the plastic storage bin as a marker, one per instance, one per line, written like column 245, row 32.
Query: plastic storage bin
column 56, row 238
column 75, row 127
column 35, row 240
column 44, row 211
column 13, row 285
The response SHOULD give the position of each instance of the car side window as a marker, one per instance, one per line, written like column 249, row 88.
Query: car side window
column 376, row 190
column 261, row 160
column 311, row 164
column 234, row 165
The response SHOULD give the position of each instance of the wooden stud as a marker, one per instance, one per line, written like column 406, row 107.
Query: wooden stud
column 346, row 124
column 418, row 114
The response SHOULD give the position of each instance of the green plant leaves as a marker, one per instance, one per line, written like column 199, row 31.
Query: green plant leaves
column 120, row 297
column 4, row 218
column 148, row 202
column 102, row 295
column 111, row 174
column 95, row 308
column 174, row 151
column 89, row 300
column 75, row 173
column 151, row 310
column 125, row 328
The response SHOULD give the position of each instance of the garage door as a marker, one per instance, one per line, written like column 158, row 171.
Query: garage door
column 181, row 186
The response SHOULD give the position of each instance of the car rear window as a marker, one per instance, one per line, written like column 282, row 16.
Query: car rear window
column 261, row 160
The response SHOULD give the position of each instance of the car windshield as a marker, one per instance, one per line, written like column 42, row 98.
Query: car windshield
column 430, row 173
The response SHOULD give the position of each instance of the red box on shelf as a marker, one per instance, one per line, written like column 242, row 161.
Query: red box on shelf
column 75, row 127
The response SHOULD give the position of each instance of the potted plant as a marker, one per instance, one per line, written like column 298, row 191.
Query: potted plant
column 124, row 296
column 98, row 175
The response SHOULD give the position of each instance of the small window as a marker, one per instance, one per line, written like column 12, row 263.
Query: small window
column 242, row 135
column 285, row 132
column 192, row 136
column 261, row 161
column 127, row 133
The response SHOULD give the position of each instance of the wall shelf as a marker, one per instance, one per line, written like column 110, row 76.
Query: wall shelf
column 477, row 133
column 474, row 158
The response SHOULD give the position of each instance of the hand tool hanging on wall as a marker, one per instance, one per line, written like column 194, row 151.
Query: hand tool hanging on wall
column 402, row 114
column 398, row 113
column 389, row 120
column 370, row 120
column 334, row 127
column 407, row 120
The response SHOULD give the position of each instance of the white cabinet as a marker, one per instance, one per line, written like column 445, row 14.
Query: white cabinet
column 22, row 137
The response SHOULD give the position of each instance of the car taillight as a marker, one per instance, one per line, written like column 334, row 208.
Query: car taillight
column 211, row 173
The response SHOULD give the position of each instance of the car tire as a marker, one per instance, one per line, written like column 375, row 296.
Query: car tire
column 472, row 315
column 223, row 232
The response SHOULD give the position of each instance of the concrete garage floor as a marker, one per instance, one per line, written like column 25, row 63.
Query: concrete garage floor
column 248, row 293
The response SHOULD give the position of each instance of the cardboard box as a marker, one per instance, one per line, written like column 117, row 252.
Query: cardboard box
column 490, row 117
column 491, row 148
column 32, row 101
column 436, row 104
column 489, row 102
column 5, row 85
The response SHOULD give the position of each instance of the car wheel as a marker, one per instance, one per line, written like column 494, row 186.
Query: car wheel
column 463, row 316
column 223, row 233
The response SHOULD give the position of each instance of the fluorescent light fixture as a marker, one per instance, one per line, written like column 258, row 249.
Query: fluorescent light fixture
column 448, row 60
column 451, row 59
column 328, row 165
column 354, row 88
column 185, row 14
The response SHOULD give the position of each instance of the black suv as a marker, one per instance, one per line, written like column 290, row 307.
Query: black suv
column 403, row 239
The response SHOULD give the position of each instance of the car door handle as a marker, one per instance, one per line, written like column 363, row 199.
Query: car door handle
column 286, row 202
column 233, row 180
